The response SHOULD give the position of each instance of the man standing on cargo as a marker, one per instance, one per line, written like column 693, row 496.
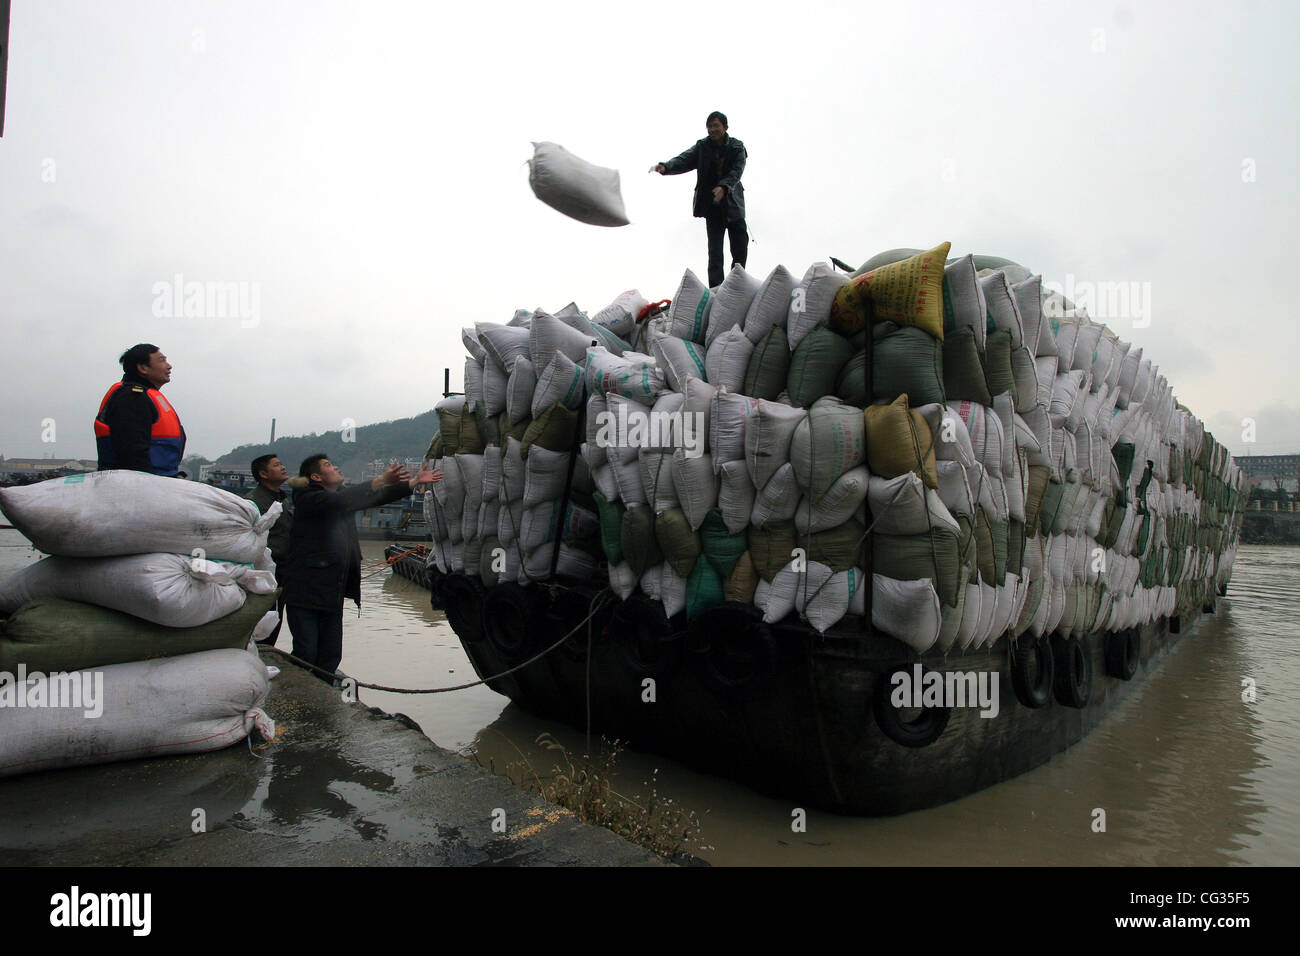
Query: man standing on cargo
column 136, row 428
column 718, row 161
column 270, row 473
column 324, row 564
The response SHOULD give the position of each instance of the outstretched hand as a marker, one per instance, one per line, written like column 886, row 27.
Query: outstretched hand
column 393, row 474
column 659, row 168
column 426, row 477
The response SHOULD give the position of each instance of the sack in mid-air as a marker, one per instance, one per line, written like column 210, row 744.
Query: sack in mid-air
column 575, row 187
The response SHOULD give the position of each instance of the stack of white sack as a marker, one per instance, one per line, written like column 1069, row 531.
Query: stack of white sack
column 727, row 450
column 133, row 559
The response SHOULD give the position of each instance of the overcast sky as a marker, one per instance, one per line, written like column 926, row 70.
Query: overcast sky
column 360, row 167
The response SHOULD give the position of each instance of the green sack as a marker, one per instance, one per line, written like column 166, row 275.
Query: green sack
column 722, row 548
column 640, row 549
column 703, row 589
column 470, row 441
column 997, row 365
column 679, row 544
column 906, row 361
column 816, row 365
column 611, row 527
column 449, row 429
column 48, row 635
column 508, row 429
column 771, row 548
column 910, row 557
column 553, row 430
column 769, row 366
column 963, row 371
column 840, row 547
column 851, row 386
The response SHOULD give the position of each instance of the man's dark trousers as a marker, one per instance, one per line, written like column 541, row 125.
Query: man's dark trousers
column 317, row 637
column 716, row 223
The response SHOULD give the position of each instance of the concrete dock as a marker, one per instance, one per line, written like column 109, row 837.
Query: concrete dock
column 341, row 784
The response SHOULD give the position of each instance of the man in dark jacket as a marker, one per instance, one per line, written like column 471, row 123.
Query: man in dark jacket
column 324, row 565
column 271, row 474
column 136, row 428
column 718, row 161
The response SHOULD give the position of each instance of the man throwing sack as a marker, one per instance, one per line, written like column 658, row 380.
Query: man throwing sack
column 718, row 161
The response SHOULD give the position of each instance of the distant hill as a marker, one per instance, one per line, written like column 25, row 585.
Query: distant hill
column 400, row 439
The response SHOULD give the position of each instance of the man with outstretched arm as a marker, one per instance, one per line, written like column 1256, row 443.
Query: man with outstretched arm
column 718, row 161
column 324, row 564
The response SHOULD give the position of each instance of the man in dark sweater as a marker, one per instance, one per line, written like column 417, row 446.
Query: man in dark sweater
column 718, row 161
column 324, row 564
column 271, row 474
column 136, row 428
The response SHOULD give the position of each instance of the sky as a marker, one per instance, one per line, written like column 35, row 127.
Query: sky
column 358, row 173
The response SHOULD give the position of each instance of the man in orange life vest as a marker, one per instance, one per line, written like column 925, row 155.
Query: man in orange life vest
column 136, row 427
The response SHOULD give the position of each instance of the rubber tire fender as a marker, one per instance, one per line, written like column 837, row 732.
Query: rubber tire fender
column 728, row 634
column 461, row 598
column 1033, row 657
column 1073, row 672
column 640, row 623
column 509, row 621
column 1123, row 651
column 920, row 732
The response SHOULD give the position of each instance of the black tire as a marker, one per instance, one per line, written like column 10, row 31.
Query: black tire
column 920, row 732
column 462, row 599
column 510, row 621
column 648, row 646
column 1033, row 669
column 1123, row 651
column 570, row 607
column 435, row 587
column 736, row 651
column 1073, row 671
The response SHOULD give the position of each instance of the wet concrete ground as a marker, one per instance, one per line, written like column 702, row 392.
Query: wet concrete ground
column 340, row 785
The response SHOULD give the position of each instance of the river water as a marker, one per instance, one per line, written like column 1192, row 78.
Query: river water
column 1187, row 772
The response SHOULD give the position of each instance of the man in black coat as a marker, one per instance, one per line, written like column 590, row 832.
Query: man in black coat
column 324, row 565
column 718, row 161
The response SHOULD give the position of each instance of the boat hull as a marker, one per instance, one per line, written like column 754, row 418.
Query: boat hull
column 781, row 708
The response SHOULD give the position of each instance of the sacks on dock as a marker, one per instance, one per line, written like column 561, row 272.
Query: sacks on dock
column 109, row 513
column 168, row 589
column 50, row 634
column 187, row 704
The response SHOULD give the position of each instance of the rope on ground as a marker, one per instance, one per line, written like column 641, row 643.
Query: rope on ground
column 597, row 603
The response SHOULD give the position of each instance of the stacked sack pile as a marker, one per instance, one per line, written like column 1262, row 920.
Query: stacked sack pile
column 154, row 586
column 963, row 454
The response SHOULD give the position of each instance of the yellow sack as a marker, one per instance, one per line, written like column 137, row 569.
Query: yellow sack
column 894, row 435
column 908, row 292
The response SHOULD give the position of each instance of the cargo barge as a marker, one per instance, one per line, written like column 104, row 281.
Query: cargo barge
column 1055, row 550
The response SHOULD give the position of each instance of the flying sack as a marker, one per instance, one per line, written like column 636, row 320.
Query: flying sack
column 575, row 187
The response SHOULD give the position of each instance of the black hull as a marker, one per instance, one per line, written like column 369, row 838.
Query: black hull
column 779, row 708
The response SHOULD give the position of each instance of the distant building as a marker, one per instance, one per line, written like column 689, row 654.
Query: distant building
column 1271, row 471
column 29, row 465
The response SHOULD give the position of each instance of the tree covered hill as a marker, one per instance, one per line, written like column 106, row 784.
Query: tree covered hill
column 400, row 439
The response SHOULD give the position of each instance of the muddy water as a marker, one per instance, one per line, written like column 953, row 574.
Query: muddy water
column 1186, row 772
